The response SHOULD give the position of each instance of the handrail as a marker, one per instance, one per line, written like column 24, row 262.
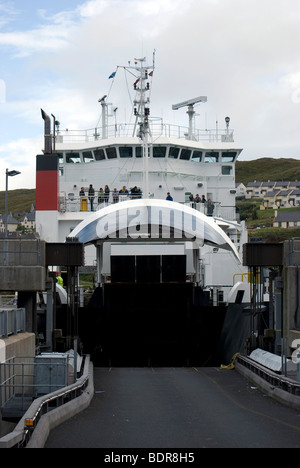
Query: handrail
column 24, row 430
column 242, row 275
column 12, row 321
column 156, row 130
column 279, row 381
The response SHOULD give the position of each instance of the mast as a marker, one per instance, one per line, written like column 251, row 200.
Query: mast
column 190, row 105
column 142, row 112
column 104, row 116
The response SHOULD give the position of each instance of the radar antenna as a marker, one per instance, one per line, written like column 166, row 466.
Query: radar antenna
column 190, row 105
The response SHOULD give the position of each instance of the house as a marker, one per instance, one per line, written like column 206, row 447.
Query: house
column 289, row 192
column 266, row 187
column 269, row 200
column 240, row 189
column 282, row 199
column 28, row 221
column 253, row 189
column 294, row 198
column 287, row 219
column 12, row 223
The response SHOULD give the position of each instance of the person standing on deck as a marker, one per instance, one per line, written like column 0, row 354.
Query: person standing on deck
column 91, row 196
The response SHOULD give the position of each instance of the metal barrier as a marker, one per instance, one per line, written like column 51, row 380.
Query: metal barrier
column 22, row 379
column 157, row 128
column 23, row 432
column 12, row 321
column 275, row 380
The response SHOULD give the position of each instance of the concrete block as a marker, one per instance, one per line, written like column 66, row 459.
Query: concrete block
column 21, row 345
column 27, row 252
column 22, row 278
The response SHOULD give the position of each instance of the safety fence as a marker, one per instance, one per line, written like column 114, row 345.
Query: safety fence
column 12, row 321
column 41, row 406
column 275, row 380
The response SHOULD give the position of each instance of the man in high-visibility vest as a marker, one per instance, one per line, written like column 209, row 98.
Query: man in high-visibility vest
column 59, row 279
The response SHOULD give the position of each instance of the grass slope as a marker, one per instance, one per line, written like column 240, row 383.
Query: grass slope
column 18, row 200
column 265, row 169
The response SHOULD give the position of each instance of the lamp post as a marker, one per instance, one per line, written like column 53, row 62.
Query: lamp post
column 8, row 174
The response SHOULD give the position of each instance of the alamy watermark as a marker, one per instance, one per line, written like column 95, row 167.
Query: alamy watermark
column 151, row 222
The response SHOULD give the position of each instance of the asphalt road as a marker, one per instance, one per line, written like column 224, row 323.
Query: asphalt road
column 178, row 408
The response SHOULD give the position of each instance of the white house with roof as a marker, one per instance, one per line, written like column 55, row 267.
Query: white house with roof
column 12, row 223
column 277, row 194
column 28, row 221
column 287, row 219
column 240, row 189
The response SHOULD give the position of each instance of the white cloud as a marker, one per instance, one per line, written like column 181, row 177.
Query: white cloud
column 20, row 155
column 25, row 43
column 92, row 8
column 51, row 34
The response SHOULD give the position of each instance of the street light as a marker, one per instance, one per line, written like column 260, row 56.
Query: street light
column 8, row 174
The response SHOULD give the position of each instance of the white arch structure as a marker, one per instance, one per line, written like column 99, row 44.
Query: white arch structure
column 152, row 220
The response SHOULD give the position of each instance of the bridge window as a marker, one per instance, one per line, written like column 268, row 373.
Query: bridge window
column 73, row 158
column 185, row 154
column 99, row 154
column 197, row 155
column 111, row 152
column 87, row 156
column 125, row 151
column 228, row 156
column 159, row 151
column 226, row 170
column 173, row 152
column 60, row 158
column 138, row 152
column 211, row 157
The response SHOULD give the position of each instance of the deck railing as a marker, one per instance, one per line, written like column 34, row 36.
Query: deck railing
column 71, row 203
column 157, row 129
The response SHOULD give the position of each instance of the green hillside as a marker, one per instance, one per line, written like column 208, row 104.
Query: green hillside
column 265, row 169
column 18, row 200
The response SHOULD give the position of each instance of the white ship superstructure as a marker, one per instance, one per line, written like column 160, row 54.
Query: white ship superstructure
column 148, row 160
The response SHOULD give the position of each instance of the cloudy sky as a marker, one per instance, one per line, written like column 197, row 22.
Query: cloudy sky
column 57, row 55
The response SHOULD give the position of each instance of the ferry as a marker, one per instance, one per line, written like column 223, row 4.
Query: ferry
column 154, row 205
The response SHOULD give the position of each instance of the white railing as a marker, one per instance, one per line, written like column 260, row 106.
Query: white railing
column 156, row 130
column 71, row 203
column 83, row 204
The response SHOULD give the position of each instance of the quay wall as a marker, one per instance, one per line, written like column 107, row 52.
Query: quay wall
column 22, row 345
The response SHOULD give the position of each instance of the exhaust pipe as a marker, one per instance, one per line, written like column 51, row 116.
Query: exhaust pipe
column 47, row 133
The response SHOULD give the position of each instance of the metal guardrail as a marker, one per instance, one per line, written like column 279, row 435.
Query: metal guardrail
column 157, row 129
column 12, row 321
column 75, row 203
column 24, row 378
column 277, row 381
column 20, row 437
